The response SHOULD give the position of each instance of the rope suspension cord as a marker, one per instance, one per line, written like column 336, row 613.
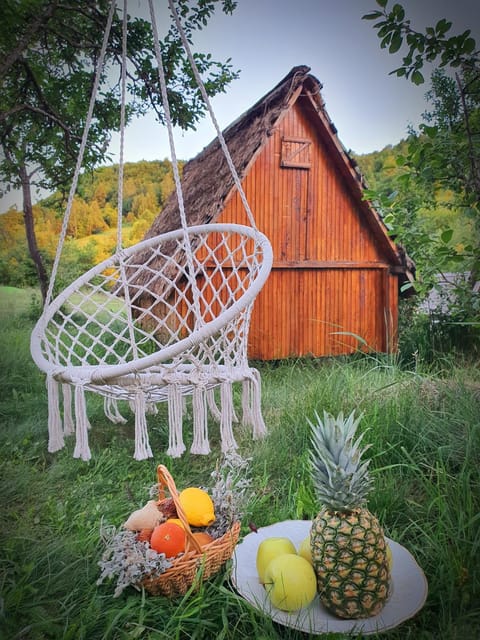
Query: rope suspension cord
column 176, row 174
column 121, row 163
column 206, row 99
column 81, row 153
column 122, row 128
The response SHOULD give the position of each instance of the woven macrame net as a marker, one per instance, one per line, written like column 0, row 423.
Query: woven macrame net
column 129, row 331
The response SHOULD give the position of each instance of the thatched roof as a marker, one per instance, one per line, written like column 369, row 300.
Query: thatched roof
column 207, row 182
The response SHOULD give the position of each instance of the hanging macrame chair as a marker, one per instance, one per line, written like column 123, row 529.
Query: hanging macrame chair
column 161, row 321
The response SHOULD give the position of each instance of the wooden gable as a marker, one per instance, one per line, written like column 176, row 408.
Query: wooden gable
column 330, row 280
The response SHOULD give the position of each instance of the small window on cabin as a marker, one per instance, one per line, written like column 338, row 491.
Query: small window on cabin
column 296, row 153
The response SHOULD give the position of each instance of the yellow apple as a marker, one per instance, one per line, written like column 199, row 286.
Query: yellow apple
column 271, row 548
column 305, row 550
column 389, row 557
column 290, row 582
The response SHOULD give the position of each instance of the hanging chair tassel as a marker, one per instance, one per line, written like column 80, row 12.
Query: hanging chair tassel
column 247, row 401
column 200, row 442
column 257, row 421
column 175, row 418
column 142, row 444
column 82, row 450
column 55, row 433
column 226, row 431
column 68, row 423
column 151, row 409
column 110, row 408
column 212, row 405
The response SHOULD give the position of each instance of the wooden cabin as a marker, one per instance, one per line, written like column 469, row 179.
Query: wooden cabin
column 335, row 281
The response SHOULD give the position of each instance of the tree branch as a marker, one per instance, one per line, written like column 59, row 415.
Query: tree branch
column 35, row 26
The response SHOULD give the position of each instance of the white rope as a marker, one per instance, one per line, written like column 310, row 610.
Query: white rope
column 258, row 423
column 68, row 423
column 205, row 97
column 176, row 175
column 176, row 445
column 121, row 164
column 55, row 433
column 110, row 408
column 122, row 129
column 200, row 444
column 82, row 450
column 142, row 444
column 226, row 431
column 73, row 188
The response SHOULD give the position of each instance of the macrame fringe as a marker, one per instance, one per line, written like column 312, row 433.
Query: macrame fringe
column 212, row 405
column 55, row 432
column 82, row 450
column 151, row 408
column 200, row 444
column 176, row 445
column 226, row 431
column 110, row 407
column 247, row 413
column 68, row 423
column 259, row 430
column 142, row 444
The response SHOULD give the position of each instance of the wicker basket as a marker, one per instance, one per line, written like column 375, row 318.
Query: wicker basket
column 197, row 563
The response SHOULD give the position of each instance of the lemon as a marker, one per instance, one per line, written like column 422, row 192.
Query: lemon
column 198, row 507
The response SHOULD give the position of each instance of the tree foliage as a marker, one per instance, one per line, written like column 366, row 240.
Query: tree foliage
column 443, row 156
column 92, row 230
column 49, row 55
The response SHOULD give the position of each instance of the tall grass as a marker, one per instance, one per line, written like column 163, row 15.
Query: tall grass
column 424, row 428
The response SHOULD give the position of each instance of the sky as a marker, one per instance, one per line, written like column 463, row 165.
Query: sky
column 266, row 38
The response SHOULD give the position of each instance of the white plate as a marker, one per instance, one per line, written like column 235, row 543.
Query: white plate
column 408, row 595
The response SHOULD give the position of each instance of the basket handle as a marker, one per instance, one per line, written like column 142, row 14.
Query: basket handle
column 166, row 481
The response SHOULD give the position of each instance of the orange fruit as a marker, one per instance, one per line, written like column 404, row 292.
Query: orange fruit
column 203, row 538
column 168, row 538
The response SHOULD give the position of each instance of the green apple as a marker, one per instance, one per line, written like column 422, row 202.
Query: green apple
column 290, row 582
column 271, row 548
column 305, row 550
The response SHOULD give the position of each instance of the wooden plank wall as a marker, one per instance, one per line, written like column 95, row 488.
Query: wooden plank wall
column 329, row 278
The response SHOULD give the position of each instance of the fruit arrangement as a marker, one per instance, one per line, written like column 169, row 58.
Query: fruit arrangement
column 346, row 558
column 162, row 546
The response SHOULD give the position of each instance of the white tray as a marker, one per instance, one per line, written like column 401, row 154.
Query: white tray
column 408, row 595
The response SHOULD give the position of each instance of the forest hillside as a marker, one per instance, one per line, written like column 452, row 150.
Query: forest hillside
column 92, row 229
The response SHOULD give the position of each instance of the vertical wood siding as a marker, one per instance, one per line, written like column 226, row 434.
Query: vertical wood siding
column 330, row 291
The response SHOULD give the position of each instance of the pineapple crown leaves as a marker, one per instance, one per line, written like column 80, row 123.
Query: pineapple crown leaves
column 339, row 476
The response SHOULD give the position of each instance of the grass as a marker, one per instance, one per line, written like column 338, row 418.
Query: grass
column 424, row 428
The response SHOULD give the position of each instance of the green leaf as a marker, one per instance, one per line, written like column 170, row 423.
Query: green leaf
column 396, row 43
column 372, row 16
column 469, row 45
column 446, row 236
column 382, row 3
column 399, row 12
column 417, row 77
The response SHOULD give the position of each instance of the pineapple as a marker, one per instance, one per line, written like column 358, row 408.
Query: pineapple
column 347, row 542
